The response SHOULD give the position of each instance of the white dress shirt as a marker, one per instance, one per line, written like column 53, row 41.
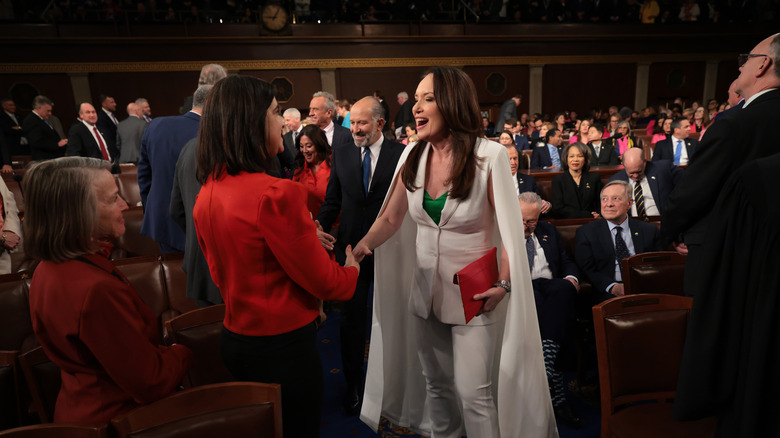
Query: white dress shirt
column 651, row 209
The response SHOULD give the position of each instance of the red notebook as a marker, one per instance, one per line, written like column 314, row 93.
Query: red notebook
column 479, row 276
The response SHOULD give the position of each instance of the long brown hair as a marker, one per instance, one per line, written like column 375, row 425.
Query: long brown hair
column 456, row 99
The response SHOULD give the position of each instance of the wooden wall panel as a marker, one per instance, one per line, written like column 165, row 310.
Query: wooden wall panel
column 584, row 86
column 305, row 84
column 165, row 91
column 56, row 87
column 663, row 73
column 356, row 83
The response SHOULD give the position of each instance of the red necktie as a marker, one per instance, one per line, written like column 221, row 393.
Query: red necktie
column 103, row 149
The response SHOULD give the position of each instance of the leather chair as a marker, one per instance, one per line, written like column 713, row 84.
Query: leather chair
column 133, row 243
column 9, row 408
column 200, row 330
column 235, row 409
column 60, row 430
column 654, row 272
column 43, row 380
column 128, row 188
column 639, row 344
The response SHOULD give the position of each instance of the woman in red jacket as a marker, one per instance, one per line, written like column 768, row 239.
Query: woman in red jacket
column 86, row 316
column 253, row 229
column 313, row 166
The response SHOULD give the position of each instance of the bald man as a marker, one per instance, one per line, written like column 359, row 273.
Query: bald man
column 651, row 182
column 129, row 134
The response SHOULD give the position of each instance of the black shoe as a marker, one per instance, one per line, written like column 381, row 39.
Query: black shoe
column 353, row 399
column 565, row 415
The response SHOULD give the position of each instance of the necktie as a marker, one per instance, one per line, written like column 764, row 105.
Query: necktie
column 103, row 149
column 556, row 157
column 598, row 150
column 48, row 124
column 531, row 250
column 366, row 168
column 113, row 118
column 621, row 250
column 639, row 200
column 678, row 153
column 147, row 119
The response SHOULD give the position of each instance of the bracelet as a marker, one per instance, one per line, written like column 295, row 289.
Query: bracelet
column 505, row 284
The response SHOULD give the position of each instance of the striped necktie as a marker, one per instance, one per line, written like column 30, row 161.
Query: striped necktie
column 639, row 201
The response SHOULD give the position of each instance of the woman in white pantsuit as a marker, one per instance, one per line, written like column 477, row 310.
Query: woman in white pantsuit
column 457, row 190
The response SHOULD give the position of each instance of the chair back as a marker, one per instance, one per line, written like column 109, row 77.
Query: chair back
column 43, row 380
column 654, row 272
column 9, row 406
column 639, row 344
column 200, row 330
column 60, row 430
column 234, row 409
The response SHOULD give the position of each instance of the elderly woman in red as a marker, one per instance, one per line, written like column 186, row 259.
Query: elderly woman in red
column 313, row 166
column 87, row 317
column 253, row 229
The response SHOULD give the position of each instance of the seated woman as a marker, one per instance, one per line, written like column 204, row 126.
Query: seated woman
column 506, row 139
column 665, row 130
column 582, row 133
column 576, row 191
column 623, row 141
column 700, row 120
column 411, row 134
column 313, row 165
column 88, row 318
column 263, row 252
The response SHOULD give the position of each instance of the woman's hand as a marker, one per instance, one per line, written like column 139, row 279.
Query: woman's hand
column 326, row 239
column 492, row 297
column 350, row 260
column 361, row 250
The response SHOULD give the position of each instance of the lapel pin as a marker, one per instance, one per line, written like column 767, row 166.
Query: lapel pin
column 636, row 233
column 652, row 177
column 587, row 185
column 544, row 238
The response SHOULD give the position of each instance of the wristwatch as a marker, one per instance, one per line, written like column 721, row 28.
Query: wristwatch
column 505, row 284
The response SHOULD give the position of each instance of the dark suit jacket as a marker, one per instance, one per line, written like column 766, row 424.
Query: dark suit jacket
column 106, row 126
column 160, row 148
column 42, row 139
column 568, row 202
column 404, row 115
column 287, row 158
column 386, row 110
column 521, row 141
column 540, row 157
column 200, row 286
column 345, row 193
column 81, row 143
column 595, row 252
column 508, row 111
column 753, row 131
column 342, row 136
column 13, row 136
column 661, row 176
column 664, row 149
column 527, row 183
column 607, row 157
column 559, row 262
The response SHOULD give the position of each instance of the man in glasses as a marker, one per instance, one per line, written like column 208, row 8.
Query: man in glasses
column 727, row 355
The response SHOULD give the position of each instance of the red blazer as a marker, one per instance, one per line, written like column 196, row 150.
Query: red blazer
column 94, row 326
column 315, row 185
column 263, row 253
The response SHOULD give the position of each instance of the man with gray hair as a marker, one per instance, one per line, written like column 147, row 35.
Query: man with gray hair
column 129, row 134
column 292, row 120
column 360, row 176
column 146, row 110
column 160, row 148
column 210, row 74
column 404, row 115
column 321, row 109
column 44, row 141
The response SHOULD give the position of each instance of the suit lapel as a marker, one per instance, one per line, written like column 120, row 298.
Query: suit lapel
column 419, row 181
column 636, row 236
column 546, row 244
column 606, row 238
column 381, row 164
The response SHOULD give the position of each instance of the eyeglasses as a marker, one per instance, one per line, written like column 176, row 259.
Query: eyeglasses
column 743, row 58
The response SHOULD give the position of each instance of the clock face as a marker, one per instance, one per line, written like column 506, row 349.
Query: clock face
column 274, row 17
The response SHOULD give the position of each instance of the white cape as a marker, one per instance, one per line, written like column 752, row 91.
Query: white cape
column 395, row 386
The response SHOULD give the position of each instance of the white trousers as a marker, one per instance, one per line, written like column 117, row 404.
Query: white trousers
column 457, row 361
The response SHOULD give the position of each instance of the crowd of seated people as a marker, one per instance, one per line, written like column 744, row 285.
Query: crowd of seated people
column 526, row 11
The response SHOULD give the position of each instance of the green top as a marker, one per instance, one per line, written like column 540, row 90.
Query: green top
column 434, row 206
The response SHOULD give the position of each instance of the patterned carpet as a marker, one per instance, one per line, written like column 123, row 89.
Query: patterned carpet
column 335, row 424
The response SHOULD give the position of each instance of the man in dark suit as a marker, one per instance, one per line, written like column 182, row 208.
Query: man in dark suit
column 86, row 140
column 107, row 120
column 160, row 148
column 292, row 119
column 601, row 245
column 321, row 109
column 678, row 147
column 361, row 174
column 523, row 182
column 547, row 154
column 602, row 153
column 508, row 110
column 404, row 115
column 44, row 141
column 555, row 284
column 651, row 182
column 381, row 99
column 732, row 140
column 200, row 285
column 11, row 125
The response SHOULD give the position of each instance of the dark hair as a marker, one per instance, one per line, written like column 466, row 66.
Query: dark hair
column 585, row 153
column 558, row 115
column 509, row 133
column 677, row 122
column 510, row 121
column 456, row 99
column 550, row 134
column 232, row 133
column 599, row 127
column 317, row 137
column 411, row 125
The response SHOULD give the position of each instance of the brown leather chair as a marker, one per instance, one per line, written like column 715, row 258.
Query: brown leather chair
column 9, row 407
column 654, row 272
column 235, row 409
column 639, row 343
column 128, row 188
column 43, row 380
column 175, row 285
column 60, row 430
column 200, row 330
column 133, row 243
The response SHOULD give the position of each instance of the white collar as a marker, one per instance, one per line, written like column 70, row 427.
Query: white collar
column 753, row 97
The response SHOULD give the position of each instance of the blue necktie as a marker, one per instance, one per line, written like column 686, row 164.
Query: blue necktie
column 678, row 153
column 366, row 168
column 556, row 159
column 530, row 248
column 48, row 124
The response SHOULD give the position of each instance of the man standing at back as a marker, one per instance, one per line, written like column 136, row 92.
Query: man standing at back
column 360, row 176
column 737, row 137
column 160, row 148
column 508, row 110
column 321, row 110
column 106, row 119
column 404, row 115
column 44, row 141
column 129, row 134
